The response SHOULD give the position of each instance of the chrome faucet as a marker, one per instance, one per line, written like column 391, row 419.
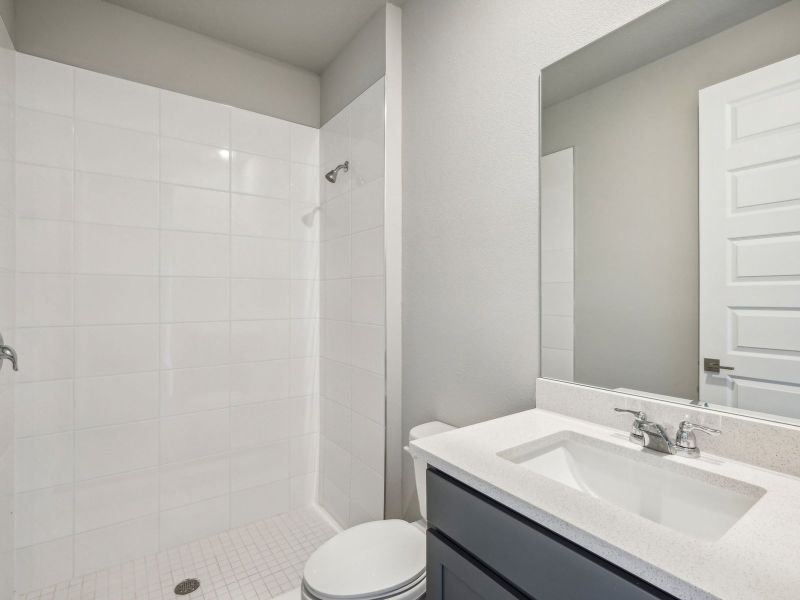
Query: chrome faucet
column 685, row 439
column 653, row 436
column 9, row 354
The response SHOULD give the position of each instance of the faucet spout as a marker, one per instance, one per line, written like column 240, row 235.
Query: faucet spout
column 656, row 438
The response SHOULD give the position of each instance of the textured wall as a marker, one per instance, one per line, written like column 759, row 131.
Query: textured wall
column 109, row 39
column 470, row 177
column 7, row 14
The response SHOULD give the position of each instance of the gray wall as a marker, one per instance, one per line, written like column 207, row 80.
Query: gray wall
column 470, row 201
column 636, row 216
column 109, row 39
column 357, row 66
column 7, row 15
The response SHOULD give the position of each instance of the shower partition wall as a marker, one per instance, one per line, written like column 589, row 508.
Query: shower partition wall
column 7, row 314
column 167, row 319
column 353, row 313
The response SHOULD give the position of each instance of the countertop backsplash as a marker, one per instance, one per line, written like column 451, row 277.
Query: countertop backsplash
column 766, row 444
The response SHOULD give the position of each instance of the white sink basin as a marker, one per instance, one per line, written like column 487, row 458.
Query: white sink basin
column 692, row 501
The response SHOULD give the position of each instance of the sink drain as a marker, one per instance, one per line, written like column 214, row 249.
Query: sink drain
column 187, row 586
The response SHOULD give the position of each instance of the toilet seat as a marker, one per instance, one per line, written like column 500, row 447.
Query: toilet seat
column 413, row 592
column 372, row 561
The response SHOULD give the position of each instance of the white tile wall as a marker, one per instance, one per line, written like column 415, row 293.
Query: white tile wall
column 167, row 250
column 352, row 314
column 557, row 265
column 8, row 318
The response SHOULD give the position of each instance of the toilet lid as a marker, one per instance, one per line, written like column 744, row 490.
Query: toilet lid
column 367, row 560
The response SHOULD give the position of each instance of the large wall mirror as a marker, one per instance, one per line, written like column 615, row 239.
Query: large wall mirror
column 670, row 208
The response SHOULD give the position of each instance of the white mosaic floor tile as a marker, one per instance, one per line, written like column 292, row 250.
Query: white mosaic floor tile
column 254, row 562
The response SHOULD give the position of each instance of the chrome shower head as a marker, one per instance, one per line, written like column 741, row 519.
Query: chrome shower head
column 334, row 173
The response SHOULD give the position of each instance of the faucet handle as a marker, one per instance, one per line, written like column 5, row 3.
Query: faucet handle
column 636, row 435
column 685, row 440
column 687, row 427
column 640, row 416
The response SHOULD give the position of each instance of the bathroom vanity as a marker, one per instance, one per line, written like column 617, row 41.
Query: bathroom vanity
column 542, row 505
column 479, row 549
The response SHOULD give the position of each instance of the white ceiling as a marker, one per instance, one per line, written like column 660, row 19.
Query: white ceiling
column 304, row 33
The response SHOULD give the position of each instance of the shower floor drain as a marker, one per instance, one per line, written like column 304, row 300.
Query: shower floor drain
column 187, row 586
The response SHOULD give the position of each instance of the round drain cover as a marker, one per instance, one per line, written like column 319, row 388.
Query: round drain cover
column 187, row 586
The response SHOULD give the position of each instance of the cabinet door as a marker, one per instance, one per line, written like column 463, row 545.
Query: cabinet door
column 454, row 576
column 534, row 559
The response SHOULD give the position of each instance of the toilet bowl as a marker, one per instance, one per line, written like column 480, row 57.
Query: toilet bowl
column 379, row 560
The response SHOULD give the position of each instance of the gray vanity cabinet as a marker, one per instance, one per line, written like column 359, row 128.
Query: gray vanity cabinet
column 454, row 575
column 481, row 550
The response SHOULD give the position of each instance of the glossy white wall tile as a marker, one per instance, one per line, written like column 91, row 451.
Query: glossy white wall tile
column 8, row 318
column 189, row 482
column 44, row 515
column 261, row 134
column 192, row 299
column 44, row 192
column 193, row 390
column 305, row 145
column 115, row 151
column 168, row 255
column 193, row 164
column 194, row 209
column 117, row 449
column 260, row 175
column 194, row 120
column 188, row 254
column 44, row 408
column 44, row 299
column 44, row 246
column 28, row 421
column 115, row 544
column 114, row 101
column 107, row 500
column 110, row 200
column 109, row 299
column 194, row 521
column 44, row 138
column 352, row 336
column 44, row 85
column 257, row 216
column 557, row 323
column 117, row 399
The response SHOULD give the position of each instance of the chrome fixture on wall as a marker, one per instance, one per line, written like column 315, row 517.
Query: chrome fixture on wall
column 8, row 353
column 334, row 173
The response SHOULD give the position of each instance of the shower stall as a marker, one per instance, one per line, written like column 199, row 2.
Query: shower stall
column 200, row 318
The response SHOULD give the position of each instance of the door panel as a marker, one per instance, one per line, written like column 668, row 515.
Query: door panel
column 750, row 239
column 453, row 576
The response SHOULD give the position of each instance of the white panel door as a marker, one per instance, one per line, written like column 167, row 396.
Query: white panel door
column 750, row 240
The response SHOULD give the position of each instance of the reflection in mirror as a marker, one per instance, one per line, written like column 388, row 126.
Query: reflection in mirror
column 670, row 208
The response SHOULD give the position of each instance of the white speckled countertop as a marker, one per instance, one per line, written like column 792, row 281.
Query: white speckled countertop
column 757, row 559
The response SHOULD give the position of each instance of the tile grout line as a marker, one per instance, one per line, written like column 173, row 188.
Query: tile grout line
column 229, row 118
column 73, row 77
column 159, row 334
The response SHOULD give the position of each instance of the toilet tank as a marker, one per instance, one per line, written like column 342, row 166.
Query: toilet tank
column 420, row 466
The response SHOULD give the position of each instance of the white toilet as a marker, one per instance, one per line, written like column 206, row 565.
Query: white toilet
column 381, row 560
